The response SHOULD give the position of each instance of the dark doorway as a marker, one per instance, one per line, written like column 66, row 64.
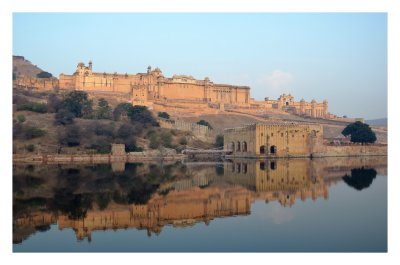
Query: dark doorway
column 273, row 149
column 262, row 149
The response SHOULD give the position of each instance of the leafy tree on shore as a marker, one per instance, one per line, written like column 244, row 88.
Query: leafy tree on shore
column 359, row 133
column 78, row 103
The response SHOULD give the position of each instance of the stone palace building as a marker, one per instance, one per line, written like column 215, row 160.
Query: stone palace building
column 153, row 87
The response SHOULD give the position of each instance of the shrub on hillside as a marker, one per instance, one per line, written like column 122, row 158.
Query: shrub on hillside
column 125, row 130
column 31, row 132
column 71, row 136
column 54, row 103
column 140, row 114
column 18, row 100
column 154, row 142
column 205, row 123
column 101, row 145
column 103, row 110
column 163, row 115
column 183, row 140
column 64, row 117
column 104, row 129
column 33, row 106
column 44, row 74
column 121, row 110
column 78, row 103
column 30, row 147
column 21, row 118
column 166, row 139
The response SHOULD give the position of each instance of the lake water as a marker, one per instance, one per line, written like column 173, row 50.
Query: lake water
column 296, row 205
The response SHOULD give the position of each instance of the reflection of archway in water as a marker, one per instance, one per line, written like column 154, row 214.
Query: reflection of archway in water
column 360, row 178
column 262, row 149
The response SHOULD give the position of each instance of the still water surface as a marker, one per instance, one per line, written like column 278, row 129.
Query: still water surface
column 298, row 205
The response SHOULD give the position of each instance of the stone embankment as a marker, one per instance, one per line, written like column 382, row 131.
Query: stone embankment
column 153, row 155
column 352, row 150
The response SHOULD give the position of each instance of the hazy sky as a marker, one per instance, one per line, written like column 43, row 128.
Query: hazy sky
column 341, row 57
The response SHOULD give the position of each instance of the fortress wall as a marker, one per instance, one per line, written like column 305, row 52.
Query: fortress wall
column 67, row 82
column 353, row 150
column 196, row 129
column 40, row 84
column 183, row 91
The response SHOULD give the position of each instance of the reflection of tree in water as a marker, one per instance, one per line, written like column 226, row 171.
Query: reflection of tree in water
column 141, row 191
column 360, row 178
column 74, row 205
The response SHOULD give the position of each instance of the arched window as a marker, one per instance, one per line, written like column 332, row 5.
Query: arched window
column 244, row 147
column 233, row 146
column 262, row 149
column 238, row 147
column 272, row 150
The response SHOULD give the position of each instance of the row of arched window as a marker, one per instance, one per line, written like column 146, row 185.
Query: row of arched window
column 272, row 149
column 239, row 146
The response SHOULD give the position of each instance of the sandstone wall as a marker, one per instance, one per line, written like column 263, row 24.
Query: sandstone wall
column 196, row 129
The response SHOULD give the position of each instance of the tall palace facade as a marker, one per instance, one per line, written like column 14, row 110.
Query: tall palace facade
column 152, row 87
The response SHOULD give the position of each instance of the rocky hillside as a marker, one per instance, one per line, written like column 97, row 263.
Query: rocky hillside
column 21, row 66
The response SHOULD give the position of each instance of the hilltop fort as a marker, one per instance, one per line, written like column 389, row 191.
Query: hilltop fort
column 183, row 91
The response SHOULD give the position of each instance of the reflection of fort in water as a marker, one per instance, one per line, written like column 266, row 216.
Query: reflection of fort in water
column 226, row 190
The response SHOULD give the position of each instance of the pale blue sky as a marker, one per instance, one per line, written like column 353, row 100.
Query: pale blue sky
column 341, row 57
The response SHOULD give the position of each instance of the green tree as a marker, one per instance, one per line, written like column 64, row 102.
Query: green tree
column 21, row 118
column 78, row 103
column 30, row 147
column 53, row 103
column 142, row 115
column 183, row 140
column 104, row 129
column 154, row 142
column 219, row 140
column 122, row 110
column 64, row 117
column 359, row 132
column 166, row 139
column 33, row 106
column 71, row 136
column 163, row 115
column 205, row 123
column 33, row 132
column 103, row 110
column 125, row 131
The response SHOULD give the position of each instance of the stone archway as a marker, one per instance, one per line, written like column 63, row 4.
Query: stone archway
column 262, row 150
column 244, row 147
column 272, row 149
